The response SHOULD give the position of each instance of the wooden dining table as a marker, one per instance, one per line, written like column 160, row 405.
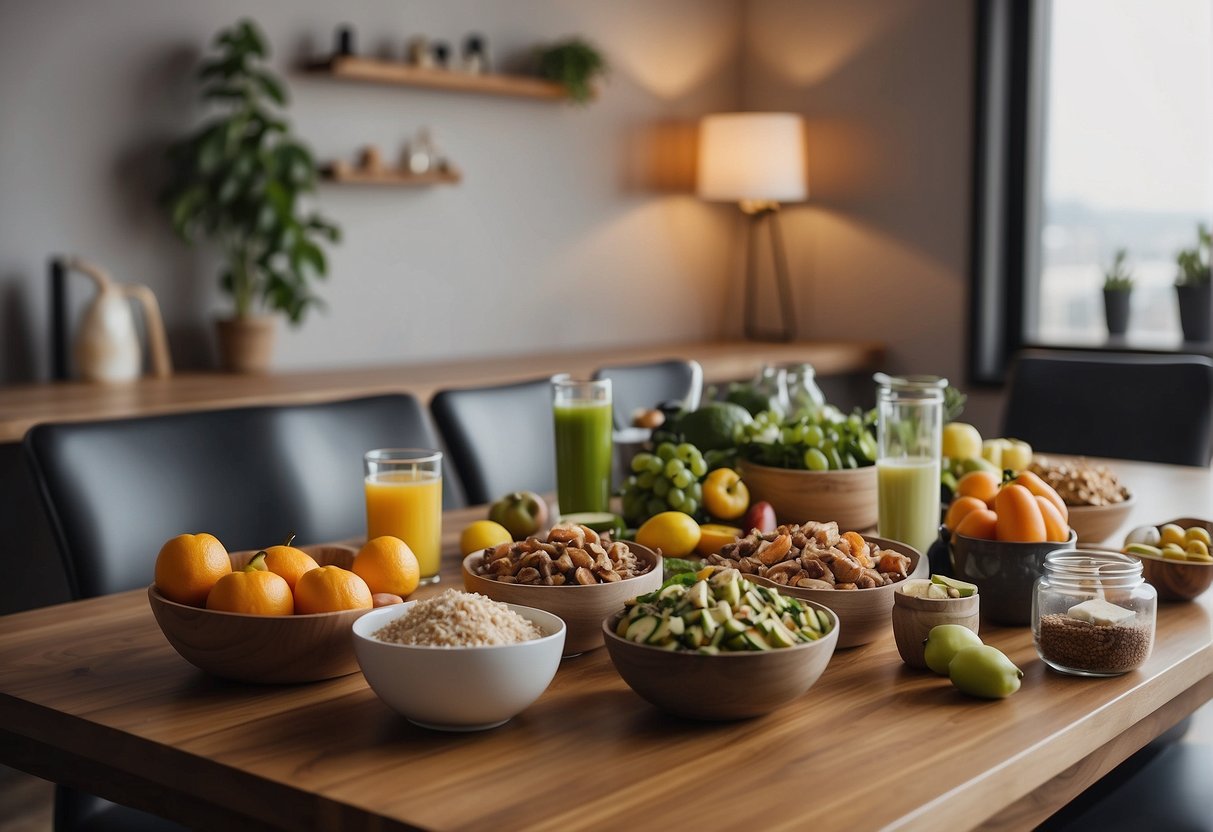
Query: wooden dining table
column 92, row 695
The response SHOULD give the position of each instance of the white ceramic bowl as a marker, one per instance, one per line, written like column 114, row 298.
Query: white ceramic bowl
column 458, row 688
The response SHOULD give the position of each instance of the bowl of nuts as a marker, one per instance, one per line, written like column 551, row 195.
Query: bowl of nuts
column 1097, row 501
column 852, row 575
column 573, row 571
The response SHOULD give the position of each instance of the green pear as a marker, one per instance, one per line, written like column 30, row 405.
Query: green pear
column 942, row 643
column 985, row 671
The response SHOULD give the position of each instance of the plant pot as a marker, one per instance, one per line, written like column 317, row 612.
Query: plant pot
column 1116, row 310
column 246, row 343
column 1195, row 311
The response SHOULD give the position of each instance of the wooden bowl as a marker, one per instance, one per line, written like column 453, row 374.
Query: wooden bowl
column 1005, row 574
column 1096, row 524
column 914, row 617
column 847, row 496
column 268, row 649
column 721, row 687
column 582, row 607
column 863, row 614
column 1177, row 580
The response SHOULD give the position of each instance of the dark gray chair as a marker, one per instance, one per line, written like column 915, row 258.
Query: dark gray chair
column 115, row 490
column 1157, row 408
column 643, row 386
column 500, row 439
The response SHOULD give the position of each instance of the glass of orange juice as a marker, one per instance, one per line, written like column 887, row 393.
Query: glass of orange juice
column 404, row 500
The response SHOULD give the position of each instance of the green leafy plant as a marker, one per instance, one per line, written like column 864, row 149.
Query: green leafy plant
column 573, row 63
column 238, row 178
column 1119, row 277
column 1194, row 263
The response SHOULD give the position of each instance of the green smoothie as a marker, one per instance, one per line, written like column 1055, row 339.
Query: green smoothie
column 583, row 455
column 909, row 500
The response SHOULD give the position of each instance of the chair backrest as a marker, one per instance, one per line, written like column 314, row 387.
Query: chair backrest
column 643, row 386
column 500, row 439
column 1157, row 408
column 116, row 490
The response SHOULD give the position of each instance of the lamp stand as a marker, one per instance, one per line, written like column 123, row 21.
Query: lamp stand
column 757, row 213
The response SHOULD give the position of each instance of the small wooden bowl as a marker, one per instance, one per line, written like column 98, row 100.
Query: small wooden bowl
column 914, row 617
column 582, row 607
column 721, row 687
column 847, row 496
column 267, row 649
column 863, row 614
column 1096, row 524
column 1177, row 580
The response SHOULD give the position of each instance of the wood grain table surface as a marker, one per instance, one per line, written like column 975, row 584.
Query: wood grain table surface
column 92, row 694
column 23, row 406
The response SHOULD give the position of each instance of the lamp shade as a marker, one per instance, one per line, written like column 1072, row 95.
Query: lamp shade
column 752, row 156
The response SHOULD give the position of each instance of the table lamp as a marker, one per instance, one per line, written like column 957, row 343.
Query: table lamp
column 758, row 161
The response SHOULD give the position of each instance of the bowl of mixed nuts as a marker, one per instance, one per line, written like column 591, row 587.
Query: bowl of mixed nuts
column 1097, row 500
column 571, row 571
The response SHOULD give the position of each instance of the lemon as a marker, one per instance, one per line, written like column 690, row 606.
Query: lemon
column 482, row 534
column 674, row 533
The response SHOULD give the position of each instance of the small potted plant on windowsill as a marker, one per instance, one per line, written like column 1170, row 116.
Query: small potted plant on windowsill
column 237, row 180
column 1194, row 288
column 1117, row 288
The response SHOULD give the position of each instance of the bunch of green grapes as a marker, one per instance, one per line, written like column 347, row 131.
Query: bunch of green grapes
column 824, row 441
column 670, row 479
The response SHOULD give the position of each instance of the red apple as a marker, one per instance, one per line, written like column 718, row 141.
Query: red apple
column 760, row 516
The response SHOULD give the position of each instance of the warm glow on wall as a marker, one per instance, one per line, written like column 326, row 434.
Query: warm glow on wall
column 752, row 157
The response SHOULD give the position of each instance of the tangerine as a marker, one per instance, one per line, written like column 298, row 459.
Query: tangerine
column 188, row 566
column 983, row 485
column 388, row 565
column 330, row 589
column 253, row 592
column 289, row 562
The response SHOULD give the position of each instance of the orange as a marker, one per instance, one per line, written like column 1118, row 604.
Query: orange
column 188, row 566
column 289, row 562
column 329, row 589
column 980, row 484
column 253, row 592
column 387, row 564
column 715, row 536
column 959, row 508
column 980, row 523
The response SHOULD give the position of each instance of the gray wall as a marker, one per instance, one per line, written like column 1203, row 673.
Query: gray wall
column 556, row 238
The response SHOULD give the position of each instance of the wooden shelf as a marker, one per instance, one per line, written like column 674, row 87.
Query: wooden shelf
column 377, row 71
column 343, row 174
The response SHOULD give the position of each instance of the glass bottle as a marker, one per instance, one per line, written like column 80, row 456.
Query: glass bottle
column 804, row 396
column 1093, row 613
column 772, row 383
column 909, row 432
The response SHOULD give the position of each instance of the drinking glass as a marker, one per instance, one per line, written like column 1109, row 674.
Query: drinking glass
column 404, row 500
column 909, row 432
column 582, row 414
column 804, row 396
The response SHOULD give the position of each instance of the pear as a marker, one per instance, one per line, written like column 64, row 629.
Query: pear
column 984, row 671
column 942, row 644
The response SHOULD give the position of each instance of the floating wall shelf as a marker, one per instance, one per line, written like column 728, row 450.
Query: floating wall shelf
column 344, row 174
column 371, row 70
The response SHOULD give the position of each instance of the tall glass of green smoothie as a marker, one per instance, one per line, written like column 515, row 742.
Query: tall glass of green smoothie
column 582, row 413
column 909, row 433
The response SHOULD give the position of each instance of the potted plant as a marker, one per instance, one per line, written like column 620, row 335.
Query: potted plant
column 237, row 180
column 1117, row 288
column 1193, row 287
column 573, row 63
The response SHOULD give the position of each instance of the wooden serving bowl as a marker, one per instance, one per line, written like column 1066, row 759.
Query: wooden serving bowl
column 582, row 607
column 1177, row 580
column 267, row 649
column 1096, row 524
column 863, row 614
column 914, row 617
column 721, row 687
column 847, row 496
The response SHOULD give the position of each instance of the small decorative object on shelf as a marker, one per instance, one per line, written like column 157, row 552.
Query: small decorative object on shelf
column 442, row 55
column 574, row 64
column 419, row 53
column 1117, row 287
column 370, row 160
column 345, row 41
column 475, row 55
column 1194, row 287
column 419, row 153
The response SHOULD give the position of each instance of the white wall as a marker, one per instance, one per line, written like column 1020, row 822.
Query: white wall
column 551, row 241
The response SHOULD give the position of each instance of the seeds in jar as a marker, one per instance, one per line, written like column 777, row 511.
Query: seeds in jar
column 458, row 619
column 571, row 554
column 1081, row 645
column 814, row 556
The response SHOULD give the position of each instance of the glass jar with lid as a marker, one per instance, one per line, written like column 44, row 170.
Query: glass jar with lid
column 1093, row 613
